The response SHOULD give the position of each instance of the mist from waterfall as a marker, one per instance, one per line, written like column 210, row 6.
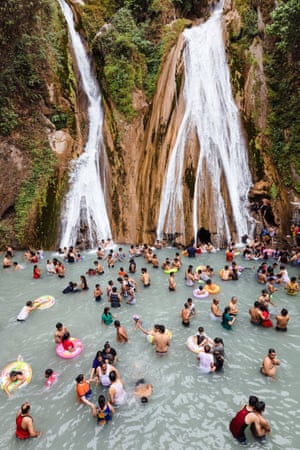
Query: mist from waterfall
column 85, row 210
column 211, row 113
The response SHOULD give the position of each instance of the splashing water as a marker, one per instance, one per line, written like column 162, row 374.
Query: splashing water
column 212, row 114
column 85, row 210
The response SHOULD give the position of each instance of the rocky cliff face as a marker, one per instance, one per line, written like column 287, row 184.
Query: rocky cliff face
column 138, row 150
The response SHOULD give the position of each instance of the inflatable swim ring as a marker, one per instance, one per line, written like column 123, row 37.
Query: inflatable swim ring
column 291, row 292
column 62, row 353
column 44, row 302
column 174, row 270
column 237, row 253
column 204, row 294
column 150, row 337
column 213, row 289
column 200, row 268
column 192, row 346
column 21, row 366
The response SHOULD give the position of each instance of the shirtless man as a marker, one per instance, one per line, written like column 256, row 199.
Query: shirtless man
column 185, row 315
column 161, row 339
column 143, row 390
column 232, row 305
column 122, row 336
column 60, row 331
column 145, row 277
column 269, row 364
column 256, row 316
column 155, row 262
column 172, row 282
column 214, row 308
column 226, row 273
column 260, row 427
column 282, row 320
column 265, row 299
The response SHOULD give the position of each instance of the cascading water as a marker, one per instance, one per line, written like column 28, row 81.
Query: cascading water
column 211, row 112
column 85, row 210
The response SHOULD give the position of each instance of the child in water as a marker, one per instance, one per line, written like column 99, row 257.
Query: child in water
column 105, row 411
column 50, row 376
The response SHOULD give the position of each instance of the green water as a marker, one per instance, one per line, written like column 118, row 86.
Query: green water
column 188, row 410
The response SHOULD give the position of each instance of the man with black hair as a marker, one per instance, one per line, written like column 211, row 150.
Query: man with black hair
column 24, row 424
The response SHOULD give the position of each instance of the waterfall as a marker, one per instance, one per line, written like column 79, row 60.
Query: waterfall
column 85, row 210
column 211, row 113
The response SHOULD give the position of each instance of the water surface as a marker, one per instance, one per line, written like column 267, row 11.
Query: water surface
column 188, row 410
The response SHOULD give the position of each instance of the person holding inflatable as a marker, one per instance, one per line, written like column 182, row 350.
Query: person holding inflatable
column 14, row 376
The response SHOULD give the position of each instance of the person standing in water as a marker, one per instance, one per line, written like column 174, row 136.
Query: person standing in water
column 24, row 424
column 269, row 364
column 122, row 336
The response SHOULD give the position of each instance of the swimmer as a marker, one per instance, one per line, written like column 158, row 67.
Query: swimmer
column 84, row 392
column 185, row 315
column 161, row 339
column 24, row 424
column 83, row 283
column 98, row 293
column 26, row 310
column 50, row 376
column 7, row 263
column 192, row 308
column 14, row 376
column 109, row 353
column 172, row 282
column 233, row 310
column 117, row 393
column 261, row 427
column 282, row 320
column 256, row 315
column 143, row 390
column 50, row 267
column 145, row 277
column 67, row 343
column 292, row 286
column 36, row 274
column 243, row 418
column 105, row 411
column 17, row 266
column 269, row 364
column 207, row 364
column 215, row 311
column 227, row 319
column 122, row 336
column 59, row 332
column 107, row 317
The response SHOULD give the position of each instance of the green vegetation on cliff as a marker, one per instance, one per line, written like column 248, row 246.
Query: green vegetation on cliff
column 283, row 71
column 129, row 49
column 35, row 68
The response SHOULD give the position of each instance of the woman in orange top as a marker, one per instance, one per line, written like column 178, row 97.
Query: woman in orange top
column 84, row 392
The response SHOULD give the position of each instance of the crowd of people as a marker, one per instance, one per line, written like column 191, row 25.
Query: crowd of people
column 211, row 353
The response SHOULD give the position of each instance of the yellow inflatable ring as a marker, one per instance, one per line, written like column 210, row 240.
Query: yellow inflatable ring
column 213, row 289
column 150, row 337
column 44, row 302
column 200, row 268
column 171, row 270
column 21, row 366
